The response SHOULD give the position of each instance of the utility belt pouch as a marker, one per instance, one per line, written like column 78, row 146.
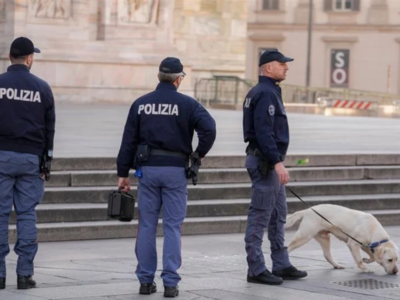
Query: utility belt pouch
column 142, row 153
column 263, row 164
column 263, row 167
column 121, row 206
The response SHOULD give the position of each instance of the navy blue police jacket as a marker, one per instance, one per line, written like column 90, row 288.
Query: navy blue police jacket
column 27, row 112
column 166, row 120
column 265, row 125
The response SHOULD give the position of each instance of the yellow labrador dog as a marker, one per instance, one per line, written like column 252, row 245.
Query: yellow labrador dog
column 361, row 226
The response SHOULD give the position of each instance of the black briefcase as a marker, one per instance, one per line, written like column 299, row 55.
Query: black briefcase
column 121, row 206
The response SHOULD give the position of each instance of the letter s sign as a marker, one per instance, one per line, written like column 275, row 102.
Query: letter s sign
column 339, row 73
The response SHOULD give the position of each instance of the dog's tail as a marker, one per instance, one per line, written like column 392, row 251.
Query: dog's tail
column 293, row 219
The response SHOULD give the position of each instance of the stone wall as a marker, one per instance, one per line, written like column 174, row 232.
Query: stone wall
column 212, row 34
column 109, row 50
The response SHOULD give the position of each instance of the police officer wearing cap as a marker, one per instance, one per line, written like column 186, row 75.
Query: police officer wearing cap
column 266, row 130
column 26, row 133
column 157, row 142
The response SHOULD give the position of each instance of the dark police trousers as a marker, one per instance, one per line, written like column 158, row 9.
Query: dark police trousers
column 164, row 187
column 21, row 186
column 268, row 208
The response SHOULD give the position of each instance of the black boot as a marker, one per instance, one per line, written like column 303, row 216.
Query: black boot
column 171, row 291
column 265, row 278
column 147, row 288
column 25, row 282
column 2, row 283
column 290, row 273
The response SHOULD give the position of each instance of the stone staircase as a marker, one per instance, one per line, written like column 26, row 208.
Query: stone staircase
column 74, row 205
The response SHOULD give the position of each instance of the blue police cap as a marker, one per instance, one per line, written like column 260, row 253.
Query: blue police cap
column 273, row 55
column 22, row 46
column 171, row 65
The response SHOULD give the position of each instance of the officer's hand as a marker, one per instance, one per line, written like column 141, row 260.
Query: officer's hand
column 283, row 174
column 124, row 184
column 201, row 158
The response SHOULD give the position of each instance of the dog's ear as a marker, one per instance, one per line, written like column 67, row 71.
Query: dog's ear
column 379, row 252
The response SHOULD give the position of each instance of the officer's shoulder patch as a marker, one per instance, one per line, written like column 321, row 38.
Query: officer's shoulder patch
column 247, row 102
column 271, row 110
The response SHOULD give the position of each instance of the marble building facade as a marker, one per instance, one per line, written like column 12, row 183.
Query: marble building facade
column 109, row 50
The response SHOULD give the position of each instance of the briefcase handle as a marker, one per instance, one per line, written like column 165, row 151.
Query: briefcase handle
column 121, row 191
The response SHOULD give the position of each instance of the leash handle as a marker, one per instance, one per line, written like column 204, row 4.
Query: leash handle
column 298, row 197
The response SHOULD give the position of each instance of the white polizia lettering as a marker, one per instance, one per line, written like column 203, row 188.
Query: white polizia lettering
column 159, row 109
column 21, row 95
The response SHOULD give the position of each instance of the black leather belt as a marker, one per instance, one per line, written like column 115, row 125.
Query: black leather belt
column 168, row 153
column 254, row 152
column 258, row 153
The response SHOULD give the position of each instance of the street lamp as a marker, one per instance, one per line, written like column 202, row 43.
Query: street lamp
column 310, row 23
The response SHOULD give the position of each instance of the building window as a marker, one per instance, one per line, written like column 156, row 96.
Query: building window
column 342, row 5
column 270, row 5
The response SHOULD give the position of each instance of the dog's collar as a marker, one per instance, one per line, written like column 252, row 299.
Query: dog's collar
column 376, row 244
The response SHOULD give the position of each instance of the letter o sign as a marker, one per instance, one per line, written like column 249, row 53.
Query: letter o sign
column 339, row 76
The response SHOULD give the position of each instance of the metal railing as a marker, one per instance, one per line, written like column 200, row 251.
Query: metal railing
column 222, row 90
column 232, row 90
column 300, row 94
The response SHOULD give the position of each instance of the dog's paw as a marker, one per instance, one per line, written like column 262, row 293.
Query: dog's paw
column 367, row 270
column 338, row 267
column 368, row 260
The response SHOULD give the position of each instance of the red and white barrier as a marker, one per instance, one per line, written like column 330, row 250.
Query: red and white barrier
column 355, row 104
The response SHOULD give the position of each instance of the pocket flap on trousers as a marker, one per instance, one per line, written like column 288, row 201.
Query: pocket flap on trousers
column 263, row 198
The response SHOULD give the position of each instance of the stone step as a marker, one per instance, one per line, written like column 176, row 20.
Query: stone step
column 355, row 187
column 82, row 212
column 230, row 191
column 233, row 175
column 49, row 232
column 115, row 229
column 229, row 161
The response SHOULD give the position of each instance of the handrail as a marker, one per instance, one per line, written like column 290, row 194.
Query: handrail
column 228, row 89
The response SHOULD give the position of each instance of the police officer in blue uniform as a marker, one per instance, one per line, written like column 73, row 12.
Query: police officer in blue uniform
column 26, row 133
column 157, row 141
column 266, row 130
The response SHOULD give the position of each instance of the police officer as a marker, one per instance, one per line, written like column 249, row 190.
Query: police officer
column 26, row 133
column 266, row 130
column 157, row 140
